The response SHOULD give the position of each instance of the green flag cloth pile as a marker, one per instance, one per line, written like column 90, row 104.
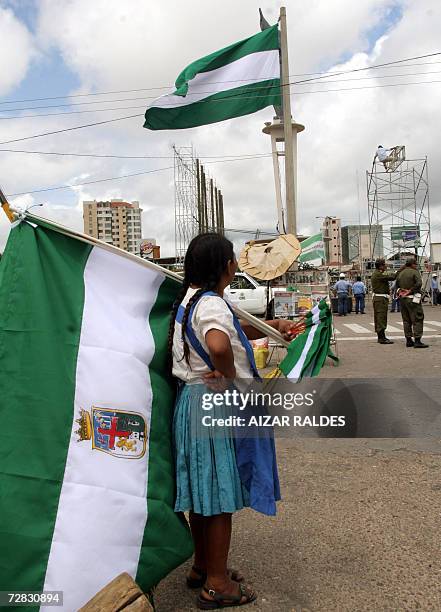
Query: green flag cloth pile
column 308, row 351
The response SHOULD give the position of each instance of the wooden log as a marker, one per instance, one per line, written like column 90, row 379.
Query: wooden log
column 122, row 593
column 141, row 604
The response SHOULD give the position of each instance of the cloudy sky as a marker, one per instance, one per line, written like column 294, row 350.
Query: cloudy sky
column 56, row 48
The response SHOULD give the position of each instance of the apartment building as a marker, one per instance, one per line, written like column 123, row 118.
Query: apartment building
column 116, row 222
column 332, row 239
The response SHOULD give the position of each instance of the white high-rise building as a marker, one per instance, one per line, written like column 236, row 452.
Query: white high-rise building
column 116, row 222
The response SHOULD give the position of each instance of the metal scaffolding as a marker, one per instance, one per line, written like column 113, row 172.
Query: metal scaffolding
column 198, row 201
column 398, row 208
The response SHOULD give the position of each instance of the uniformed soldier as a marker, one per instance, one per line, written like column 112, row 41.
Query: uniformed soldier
column 380, row 298
column 409, row 282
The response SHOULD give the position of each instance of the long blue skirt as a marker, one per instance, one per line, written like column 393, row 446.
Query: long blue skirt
column 207, row 477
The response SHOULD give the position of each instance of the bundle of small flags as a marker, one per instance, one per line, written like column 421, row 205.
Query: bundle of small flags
column 308, row 351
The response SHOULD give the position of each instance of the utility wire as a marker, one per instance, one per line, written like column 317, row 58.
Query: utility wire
column 104, row 180
column 194, row 93
column 369, row 67
column 79, row 112
column 27, row 108
column 323, row 74
column 123, row 176
column 224, row 99
column 76, row 127
column 245, row 95
column 299, row 93
column 67, row 154
column 242, row 97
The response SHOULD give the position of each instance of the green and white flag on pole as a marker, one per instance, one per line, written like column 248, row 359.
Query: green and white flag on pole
column 312, row 248
column 86, row 468
column 237, row 80
column 308, row 351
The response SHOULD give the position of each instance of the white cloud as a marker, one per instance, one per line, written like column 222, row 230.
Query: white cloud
column 17, row 51
column 138, row 43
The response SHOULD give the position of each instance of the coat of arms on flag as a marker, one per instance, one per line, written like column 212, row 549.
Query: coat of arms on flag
column 121, row 434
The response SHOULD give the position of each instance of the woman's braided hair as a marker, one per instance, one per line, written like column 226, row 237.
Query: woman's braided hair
column 205, row 261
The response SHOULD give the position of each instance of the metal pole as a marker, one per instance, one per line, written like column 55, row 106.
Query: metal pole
column 177, row 206
column 291, row 215
column 428, row 210
column 360, row 258
column 213, row 225
column 221, row 210
column 216, row 199
column 415, row 218
column 198, row 182
column 276, row 167
column 204, row 201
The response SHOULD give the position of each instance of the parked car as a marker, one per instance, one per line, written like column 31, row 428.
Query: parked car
column 246, row 293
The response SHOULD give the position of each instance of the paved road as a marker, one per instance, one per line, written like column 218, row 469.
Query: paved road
column 361, row 355
column 361, row 327
column 358, row 529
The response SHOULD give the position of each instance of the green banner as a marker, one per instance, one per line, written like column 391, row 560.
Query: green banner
column 312, row 248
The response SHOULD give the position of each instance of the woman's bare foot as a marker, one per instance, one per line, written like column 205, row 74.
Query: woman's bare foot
column 231, row 593
column 197, row 576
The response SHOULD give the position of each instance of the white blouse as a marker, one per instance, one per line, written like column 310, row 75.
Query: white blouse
column 211, row 312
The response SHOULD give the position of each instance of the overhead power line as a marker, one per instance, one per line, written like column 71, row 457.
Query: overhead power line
column 27, row 108
column 123, row 176
column 220, row 100
column 79, row 112
column 298, row 93
column 323, row 74
column 401, row 61
column 104, row 180
column 340, row 89
column 105, row 156
column 76, row 127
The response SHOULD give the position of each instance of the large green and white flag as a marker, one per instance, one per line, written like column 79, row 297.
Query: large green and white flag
column 312, row 248
column 308, row 351
column 237, row 80
column 86, row 469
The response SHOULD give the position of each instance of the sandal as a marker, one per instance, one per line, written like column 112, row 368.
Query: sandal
column 198, row 583
column 221, row 600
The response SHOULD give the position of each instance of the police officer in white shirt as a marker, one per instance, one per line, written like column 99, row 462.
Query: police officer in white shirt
column 342, row 288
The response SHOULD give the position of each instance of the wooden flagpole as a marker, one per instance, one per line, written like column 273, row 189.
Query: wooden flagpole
column 263, row 327
column 6, row 207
